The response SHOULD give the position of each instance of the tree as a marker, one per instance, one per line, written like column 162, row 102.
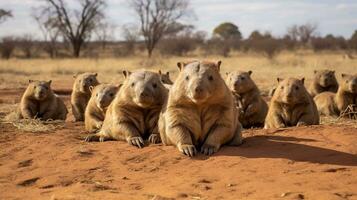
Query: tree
column 76, row 25
column 264, row 43
column 104, row 33
column 227, row 31
column 4, row 15
column 50, row 31
column 131, row 35
column 353, row 41
column 7, row 46
column 302, row 33
column 156, row 16
column 27, row 45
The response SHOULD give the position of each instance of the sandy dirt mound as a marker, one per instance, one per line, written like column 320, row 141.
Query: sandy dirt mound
column 317, row 162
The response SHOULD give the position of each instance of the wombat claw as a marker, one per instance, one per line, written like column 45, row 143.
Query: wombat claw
column 208, row 150
column 136, row 141
column 90, row 138
column 154, row 139
column 188, row 150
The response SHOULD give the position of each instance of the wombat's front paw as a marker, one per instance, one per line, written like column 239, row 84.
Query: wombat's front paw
column 301, row 124
column 154, row 138
column 136, row 141
column 99, row 125
column 91, row 138
column 208, row 149
column 188, row 149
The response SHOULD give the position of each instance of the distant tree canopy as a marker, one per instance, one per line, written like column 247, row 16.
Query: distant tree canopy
column 4, row 14
column 227, row 30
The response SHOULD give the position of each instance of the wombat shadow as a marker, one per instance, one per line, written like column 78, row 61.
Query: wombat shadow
column 286, row 147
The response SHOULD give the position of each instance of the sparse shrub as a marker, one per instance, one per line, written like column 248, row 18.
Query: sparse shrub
column 7, row 47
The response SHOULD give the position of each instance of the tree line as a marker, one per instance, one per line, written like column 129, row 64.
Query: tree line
column 83, row 30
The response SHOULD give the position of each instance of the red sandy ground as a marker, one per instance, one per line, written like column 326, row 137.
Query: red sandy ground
column 317, row 162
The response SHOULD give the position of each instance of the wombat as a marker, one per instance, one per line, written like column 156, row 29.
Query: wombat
column 252, row 106
column 332, row 104
column 291, row 105
column 102, row 96
column 324, row 80
column 40, row 102
column 165, row 78
column 81, row 93
column 134, row 112
column 200, row 111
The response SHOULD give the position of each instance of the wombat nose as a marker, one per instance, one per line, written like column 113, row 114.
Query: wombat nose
column 143, row 94
column 198, row 89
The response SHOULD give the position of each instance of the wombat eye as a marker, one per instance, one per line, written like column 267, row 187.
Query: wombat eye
column 34, row 87
column 210, row 78
column 242, row 78
column 111, row 94
column 296, row 88
column 132, row 84
column 187, row 78
column 90, row 80
column 154, row 85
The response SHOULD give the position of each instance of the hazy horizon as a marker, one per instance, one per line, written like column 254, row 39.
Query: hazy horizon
column 333, row 17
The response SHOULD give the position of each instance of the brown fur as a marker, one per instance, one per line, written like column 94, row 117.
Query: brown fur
column 291, row 105
column 324, row 81
column 165, row 78
column 102, row 96
column 40, row 102
column 332, row 104
column 252, row 106
column 200, row 111
column 81, row 93
column 133, row 114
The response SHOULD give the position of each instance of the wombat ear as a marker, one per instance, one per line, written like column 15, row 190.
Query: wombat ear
column 279, row 79
column 119, row 86
column 160, row 72
column 168, row 73
column 180, row 65
column 95, row 74
column 126, row 73
column 91, row 88
column 303, row 80
column 219, row 65
column 333, row 71
column 344, row 75
column 75, row 76
column 250, row 72
column 49, row 82
column 30, row 81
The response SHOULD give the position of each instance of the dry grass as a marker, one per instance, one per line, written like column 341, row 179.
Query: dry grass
column 31, row 125
column 15, row 73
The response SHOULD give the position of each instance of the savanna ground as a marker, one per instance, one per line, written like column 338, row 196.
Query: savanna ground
column 52, row 161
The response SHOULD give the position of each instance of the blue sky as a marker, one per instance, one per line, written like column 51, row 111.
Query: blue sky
column 338, row 17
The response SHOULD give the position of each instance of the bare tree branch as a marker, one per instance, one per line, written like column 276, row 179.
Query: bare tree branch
column 76, row 26
column 156, row 16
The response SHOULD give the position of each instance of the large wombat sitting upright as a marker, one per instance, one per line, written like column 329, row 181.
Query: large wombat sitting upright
column 291, row 105
column 133, row 114
column 200, row 111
